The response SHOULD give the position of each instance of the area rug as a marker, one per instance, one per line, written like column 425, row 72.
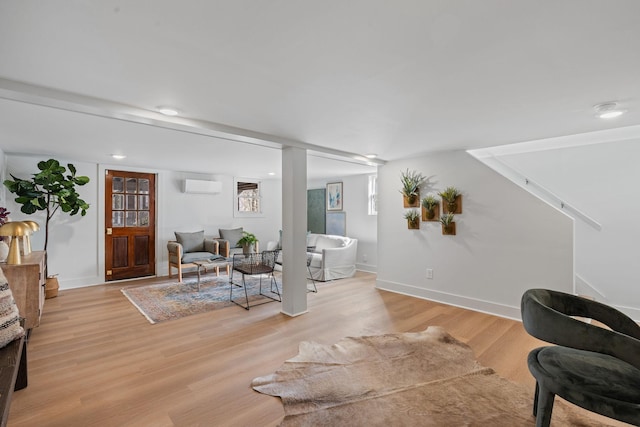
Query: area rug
column 159, row 303
column 410, row 379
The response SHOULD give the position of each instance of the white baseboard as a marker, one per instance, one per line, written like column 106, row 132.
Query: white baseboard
column 367, row 268
column 482, row 306
column 585, row 288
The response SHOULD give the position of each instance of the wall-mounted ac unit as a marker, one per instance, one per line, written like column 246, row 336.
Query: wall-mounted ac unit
column 202, row 187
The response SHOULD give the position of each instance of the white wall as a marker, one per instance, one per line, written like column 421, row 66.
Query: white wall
column 360, row 225
column 507, row 240
column 76, row 244
column 73, row 251
column 601, row 180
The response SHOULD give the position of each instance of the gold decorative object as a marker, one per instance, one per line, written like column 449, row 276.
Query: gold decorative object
column 26, row 239
column 14, row 230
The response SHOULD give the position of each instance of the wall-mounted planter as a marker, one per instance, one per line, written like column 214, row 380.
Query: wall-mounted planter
column 449, row 230
column 431, row 215
column 411, row 202
column 454, row 207
column 413, row 224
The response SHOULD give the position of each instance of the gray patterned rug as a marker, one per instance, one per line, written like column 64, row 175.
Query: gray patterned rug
column 159, row 303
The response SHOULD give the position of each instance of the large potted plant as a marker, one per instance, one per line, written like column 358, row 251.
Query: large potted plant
column 248, row 242
column 411, row 181
column 50, row 190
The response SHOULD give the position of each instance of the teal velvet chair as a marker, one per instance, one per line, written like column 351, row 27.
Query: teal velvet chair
column 591, row 366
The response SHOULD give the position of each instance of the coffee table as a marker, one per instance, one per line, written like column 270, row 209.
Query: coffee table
column 211, row 264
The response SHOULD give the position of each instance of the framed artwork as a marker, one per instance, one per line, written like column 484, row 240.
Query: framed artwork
column 336, row 223
column 334, row 196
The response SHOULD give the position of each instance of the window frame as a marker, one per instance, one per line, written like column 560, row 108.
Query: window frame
column 372, row 199
column 237, row 213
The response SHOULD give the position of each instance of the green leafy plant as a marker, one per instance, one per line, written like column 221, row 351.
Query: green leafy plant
column 247, row 239
column 447, row 219
column 411, row 181
column 50, row 190
column 412, row 215
column 449, row 194
column 430, row 202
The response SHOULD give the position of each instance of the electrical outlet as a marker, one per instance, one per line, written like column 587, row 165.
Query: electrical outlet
column 429, row 273
column 364, row 257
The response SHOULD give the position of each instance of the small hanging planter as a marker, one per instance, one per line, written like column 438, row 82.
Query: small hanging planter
column 430, row 208
column 411, row 182
column 449, row 230
column 448, row 225
column 451, row 200
column 413, row 219
column 412, row 201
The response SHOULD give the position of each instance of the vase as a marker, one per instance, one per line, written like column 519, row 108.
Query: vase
column 4, row 251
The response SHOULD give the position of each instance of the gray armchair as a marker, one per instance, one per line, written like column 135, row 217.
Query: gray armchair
column 188, row 248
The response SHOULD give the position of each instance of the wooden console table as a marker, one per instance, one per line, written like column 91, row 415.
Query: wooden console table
column 27, row 282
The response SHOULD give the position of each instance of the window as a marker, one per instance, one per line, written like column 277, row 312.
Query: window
column 373, row 195
column 247, row 199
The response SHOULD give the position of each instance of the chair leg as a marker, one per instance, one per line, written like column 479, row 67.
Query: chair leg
column 246, row 295
column 543, row 406
column 274, row 281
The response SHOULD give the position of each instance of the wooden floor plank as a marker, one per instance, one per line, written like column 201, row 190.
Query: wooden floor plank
column 95, row 360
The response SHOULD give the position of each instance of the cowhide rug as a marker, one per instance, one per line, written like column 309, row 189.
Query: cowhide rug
column 409, row 379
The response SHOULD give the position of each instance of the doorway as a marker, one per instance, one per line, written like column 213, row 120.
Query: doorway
column 130, row 212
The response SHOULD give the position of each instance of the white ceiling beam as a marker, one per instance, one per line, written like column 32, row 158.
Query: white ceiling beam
column 53, row 98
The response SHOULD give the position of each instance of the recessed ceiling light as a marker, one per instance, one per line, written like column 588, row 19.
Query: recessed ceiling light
column 371, row 156
column 608, row 110
column 168, row 111
column 271, row 173
column 118, row 156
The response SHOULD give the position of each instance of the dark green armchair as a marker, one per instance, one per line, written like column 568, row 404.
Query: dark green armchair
column 591, row 366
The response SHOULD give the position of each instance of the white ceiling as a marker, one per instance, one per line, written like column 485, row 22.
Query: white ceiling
column 396, row 78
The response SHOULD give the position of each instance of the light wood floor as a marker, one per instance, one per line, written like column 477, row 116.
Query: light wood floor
column 96, row 361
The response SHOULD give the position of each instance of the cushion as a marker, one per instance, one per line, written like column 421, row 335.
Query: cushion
column 232, row 236
column 199, row 256
column 329, row 242
column 590, row 373
column 191, row 242
column 10, row 328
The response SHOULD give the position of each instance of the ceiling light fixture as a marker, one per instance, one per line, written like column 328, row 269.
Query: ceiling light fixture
column 118, row 156
column 168, row 111
column 371, row 156
column 608, row 110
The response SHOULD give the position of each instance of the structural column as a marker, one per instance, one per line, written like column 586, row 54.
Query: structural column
column 294, row 231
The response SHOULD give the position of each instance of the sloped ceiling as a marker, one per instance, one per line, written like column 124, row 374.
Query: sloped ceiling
column 393, row 78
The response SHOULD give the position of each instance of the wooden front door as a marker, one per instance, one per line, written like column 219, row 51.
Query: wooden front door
column 130, row 213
